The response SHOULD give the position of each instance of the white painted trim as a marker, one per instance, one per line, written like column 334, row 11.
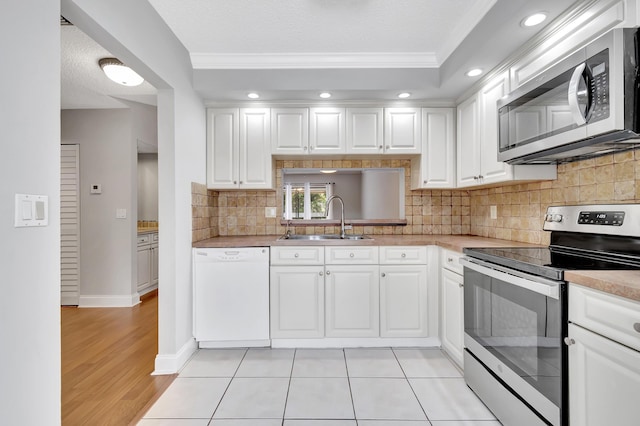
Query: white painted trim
column 99, row 301
column 172, row 363
column 262, row 343
column 360, row 342
column 313, row 60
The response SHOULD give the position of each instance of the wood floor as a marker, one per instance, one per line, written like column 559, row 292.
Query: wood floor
column 107, row 357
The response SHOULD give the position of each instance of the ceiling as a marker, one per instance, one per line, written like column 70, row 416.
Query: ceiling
column 291, row 50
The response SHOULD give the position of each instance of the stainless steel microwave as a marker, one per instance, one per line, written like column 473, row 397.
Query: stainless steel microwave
column 585, row 105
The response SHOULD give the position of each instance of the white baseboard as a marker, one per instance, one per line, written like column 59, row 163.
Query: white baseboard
column 360, row 342
column 100, row 301
column 172, row 363
column 208, row 344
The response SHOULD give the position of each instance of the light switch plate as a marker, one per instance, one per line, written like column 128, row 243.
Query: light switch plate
column 121, row 213
column 31, row 210
column 269, row 212
column 493, row 212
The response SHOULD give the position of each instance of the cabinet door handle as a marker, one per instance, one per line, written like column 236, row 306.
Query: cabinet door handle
column 351, row 255
column 569, row 341
column 328, row 272
column 296, row 255
column 380, row 147
column 388, row 147
column 235, row 182
column 320, row 273
column 240, row 182
column 383, row 275
column 449, row 259
column 403, row 255
column 305, row 148
column 460, row 285
column 636, row 327
column 425, row 181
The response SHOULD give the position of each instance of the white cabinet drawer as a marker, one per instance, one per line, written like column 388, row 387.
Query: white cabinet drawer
column 298, row 255
column 351, row 255
column 154, row 238
column 451, row 260
column 611, row 316
column 400, row 255
column 144, row 239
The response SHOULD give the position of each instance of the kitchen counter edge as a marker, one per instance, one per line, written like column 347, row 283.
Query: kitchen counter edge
column 621, row 283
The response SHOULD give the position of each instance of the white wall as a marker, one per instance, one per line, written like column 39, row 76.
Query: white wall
column 134, row 33
column 147, row 186
column 30, row 257
column 108, row 157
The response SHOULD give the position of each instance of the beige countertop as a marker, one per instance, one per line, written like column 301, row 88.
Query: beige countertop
column 621, row 283
column 147, row 230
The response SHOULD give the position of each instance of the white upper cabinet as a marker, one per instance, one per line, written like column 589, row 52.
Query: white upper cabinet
column 477, row 142
column 435, row 168
column 365, row 131
column 402, row 130
column 289, row 131
column 239, row 149
column 327, row 131
column 223, row 148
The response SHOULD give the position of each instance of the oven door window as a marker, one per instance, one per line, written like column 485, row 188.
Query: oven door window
column 522, row 328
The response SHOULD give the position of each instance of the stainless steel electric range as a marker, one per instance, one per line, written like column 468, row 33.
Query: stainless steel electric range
column 515, row 309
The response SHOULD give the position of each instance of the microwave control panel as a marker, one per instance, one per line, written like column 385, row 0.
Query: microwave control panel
column 601, row 218
column 598, row 66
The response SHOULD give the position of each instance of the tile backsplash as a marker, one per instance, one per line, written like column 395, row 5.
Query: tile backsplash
column 613, row 178
column 243, row 212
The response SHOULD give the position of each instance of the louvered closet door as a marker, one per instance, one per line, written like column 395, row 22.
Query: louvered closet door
column 69, row 225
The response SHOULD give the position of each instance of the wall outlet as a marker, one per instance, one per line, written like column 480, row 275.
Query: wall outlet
column 121, row 213
column 270, row 212
column 96, row 188
column 493, row 211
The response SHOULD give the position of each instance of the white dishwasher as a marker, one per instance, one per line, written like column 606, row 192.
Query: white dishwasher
column 231, row 297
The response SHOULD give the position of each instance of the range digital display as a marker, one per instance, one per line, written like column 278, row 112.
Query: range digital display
column 601, row 218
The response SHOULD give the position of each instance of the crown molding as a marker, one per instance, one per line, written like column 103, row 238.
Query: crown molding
column 314, row 60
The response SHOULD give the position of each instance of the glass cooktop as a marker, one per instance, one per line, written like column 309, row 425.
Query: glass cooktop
column 551, row 262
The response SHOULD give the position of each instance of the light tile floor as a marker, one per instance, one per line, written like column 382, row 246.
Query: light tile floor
column 318, row 387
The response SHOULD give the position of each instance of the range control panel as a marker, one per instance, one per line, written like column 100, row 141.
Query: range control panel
column 601, row 218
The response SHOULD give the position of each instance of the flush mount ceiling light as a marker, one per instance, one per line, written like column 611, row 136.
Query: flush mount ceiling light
column 253, row 95
column 325, row 95
column 474, row 72
column 533, row 20
column 119, row 72
column 404, row 95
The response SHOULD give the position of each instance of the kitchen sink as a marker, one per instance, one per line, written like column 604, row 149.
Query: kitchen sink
column 322, row 237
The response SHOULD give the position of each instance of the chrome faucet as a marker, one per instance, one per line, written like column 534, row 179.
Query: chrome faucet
column 326, row 208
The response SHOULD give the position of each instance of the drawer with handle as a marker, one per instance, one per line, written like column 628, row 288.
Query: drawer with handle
column 609, row 315
column 297, row 255
column 401, row 255
column 351, row 255
column 451, row 260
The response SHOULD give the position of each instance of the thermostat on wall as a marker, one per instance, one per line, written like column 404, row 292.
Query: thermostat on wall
column 96, row 188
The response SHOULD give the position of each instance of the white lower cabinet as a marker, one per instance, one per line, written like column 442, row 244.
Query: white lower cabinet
column 403, row 301
column 352, row 301
column 297, row 301
column 147, row 260
column 452, row 305
column 604, row 359
column 352, row 292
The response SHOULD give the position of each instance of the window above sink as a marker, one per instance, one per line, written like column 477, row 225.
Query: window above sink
column 369, row 194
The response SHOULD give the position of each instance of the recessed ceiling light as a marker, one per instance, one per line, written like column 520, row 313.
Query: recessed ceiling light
column 474, row 72
column 253, row 95
column 535, row 19
column 404, row 95
column 119, row 72
column 325, row 95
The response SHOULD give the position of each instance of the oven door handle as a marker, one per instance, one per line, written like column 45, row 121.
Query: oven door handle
column 538, row 285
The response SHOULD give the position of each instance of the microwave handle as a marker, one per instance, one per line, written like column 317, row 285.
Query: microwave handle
column 573, row 97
